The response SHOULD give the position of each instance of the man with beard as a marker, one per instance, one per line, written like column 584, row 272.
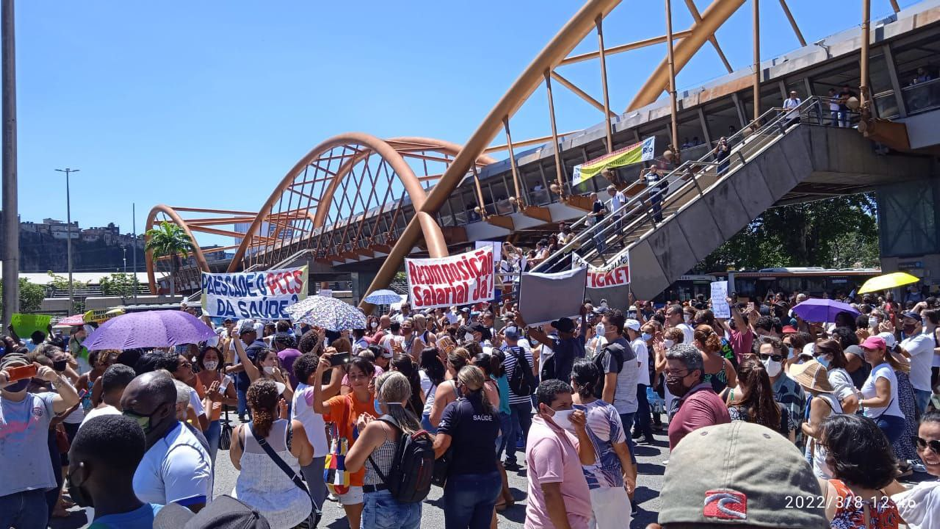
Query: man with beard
column 696, row 404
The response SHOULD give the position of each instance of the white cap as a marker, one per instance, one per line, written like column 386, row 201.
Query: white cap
column 808, row 350
column 890, row 341
column 632, row 324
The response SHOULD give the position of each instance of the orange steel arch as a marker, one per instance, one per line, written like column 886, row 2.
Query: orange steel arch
column 389, row 150
column 176, row 219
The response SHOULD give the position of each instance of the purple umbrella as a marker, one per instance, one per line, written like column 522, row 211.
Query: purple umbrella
column 156, row 328
column 822, row 310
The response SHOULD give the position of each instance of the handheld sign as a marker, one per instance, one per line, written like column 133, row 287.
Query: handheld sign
column 462, row 279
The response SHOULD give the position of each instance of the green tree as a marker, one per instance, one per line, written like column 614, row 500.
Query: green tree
column 839, row 232
column 119, row 284
column 61, row 283
column 169, row 240
column 31, row 295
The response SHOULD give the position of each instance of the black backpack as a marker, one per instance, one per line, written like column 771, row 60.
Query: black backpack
column 521, row 381
column 616, row 351
column 409, row 480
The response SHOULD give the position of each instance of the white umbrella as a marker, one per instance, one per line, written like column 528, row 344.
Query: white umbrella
column 330, row 313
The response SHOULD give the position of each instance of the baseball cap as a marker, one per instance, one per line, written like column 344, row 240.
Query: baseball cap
column 224, row 511
column 246, row 326
column 788, row 330
column 746, row 486
column 808, row 350
column 889, row 339
column 873, row 343
column 854, row 350
column 511, row 332
column 564, row 325
column 912, row 315
column 479, row 327
column 633, row 325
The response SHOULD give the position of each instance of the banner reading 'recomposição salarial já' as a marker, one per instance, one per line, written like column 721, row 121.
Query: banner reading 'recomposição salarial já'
column 259, row 295
column 461, row 279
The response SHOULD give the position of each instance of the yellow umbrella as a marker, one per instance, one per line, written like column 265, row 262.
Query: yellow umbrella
column 887, row 281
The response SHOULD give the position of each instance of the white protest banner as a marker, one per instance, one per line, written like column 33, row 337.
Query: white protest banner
column 259, row 295
column 547, row 297
column 461, row 279
column 616, row 275
column 720, row 304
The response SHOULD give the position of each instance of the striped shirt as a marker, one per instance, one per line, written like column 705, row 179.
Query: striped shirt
column 509, row 364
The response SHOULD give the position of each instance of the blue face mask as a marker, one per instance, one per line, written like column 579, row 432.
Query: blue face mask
column 375, row 405
column 646, row 337
column 823, row 361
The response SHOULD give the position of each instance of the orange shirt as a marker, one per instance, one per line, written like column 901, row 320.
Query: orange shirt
column 344, row 410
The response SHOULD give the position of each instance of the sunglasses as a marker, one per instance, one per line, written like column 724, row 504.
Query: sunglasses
column 923, row 444
column 774, row 358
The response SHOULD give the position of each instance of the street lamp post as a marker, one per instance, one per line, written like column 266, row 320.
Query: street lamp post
column 68, row 220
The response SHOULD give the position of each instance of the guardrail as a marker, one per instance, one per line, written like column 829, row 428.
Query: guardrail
column 676, row 189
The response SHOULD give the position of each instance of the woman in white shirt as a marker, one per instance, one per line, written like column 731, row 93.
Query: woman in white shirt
column 880, row 400
column 830, row 355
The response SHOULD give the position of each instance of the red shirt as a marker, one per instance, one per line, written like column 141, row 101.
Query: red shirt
column 698, row 408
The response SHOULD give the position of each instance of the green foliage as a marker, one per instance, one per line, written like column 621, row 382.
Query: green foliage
column 838, row 232
column 122, row 285
column 61, row 283
column 31, row 295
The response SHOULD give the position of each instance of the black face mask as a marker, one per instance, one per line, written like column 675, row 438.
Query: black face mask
column 676, row 386
column 75, row 490
column 909, row 329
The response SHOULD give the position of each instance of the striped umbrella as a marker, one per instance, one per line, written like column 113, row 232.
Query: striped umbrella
column 330, row 313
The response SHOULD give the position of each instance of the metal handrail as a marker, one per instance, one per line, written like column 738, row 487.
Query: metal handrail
column 689, row 171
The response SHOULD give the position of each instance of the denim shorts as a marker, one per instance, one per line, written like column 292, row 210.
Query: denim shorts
column 382, row 511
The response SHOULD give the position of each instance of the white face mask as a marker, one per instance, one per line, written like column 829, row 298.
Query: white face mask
column 561, row 418
column 667, row 344
column 374, row 324
column 211, row 365
column 873, row 323
column 269, row 370
column 773, row 368
column 599, row 329
column 468, row 337
column 687, row 318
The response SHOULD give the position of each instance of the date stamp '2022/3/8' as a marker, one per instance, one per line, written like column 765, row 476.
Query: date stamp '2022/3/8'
column 811, row 501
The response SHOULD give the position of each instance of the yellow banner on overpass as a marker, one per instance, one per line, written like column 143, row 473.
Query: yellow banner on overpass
column 636, row 153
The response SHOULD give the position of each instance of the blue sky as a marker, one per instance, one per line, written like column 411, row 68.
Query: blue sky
column 209, row 103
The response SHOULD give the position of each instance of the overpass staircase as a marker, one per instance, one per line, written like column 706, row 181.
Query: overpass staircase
column 705, row 202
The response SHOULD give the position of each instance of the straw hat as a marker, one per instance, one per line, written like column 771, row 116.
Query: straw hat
column 811, row 375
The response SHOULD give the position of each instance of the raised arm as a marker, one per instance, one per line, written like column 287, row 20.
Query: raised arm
column 247, row 364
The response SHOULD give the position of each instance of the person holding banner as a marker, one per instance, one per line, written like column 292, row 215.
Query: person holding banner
column 561, row 346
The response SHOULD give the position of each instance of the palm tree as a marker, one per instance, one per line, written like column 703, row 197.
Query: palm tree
column 169, row 240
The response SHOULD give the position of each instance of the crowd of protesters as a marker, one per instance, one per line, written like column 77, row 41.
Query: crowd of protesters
column 452, row 396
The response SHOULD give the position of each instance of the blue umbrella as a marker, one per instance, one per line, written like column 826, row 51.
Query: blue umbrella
column 383, row 297
column 822, row 310
column 330, row 313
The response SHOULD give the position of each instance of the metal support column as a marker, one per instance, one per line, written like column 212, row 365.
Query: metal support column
column 521, row 201
column 604, row 84
column 555, row 138
column 11, row 220
column 673, row 133
column 756, row 89
column 864, row 60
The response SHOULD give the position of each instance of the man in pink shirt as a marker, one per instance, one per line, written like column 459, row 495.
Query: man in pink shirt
column 558, row 491
column 696, row 405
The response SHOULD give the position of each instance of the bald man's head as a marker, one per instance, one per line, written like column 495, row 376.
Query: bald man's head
column 151, row 400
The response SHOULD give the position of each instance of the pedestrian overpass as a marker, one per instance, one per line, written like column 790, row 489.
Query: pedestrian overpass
column 356, row 205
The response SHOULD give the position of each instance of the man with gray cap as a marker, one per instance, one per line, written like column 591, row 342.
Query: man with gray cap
column 744, row 487
column 696, row 404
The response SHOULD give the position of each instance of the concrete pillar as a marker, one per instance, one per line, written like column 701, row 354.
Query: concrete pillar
column 361, row 282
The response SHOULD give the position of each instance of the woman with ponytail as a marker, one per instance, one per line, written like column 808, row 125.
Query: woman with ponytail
column 612, row 469
column 261, row 483
column 375, row 451
column 470, row 425
column 719, row 371
column 447, row 393
column 755, row 402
